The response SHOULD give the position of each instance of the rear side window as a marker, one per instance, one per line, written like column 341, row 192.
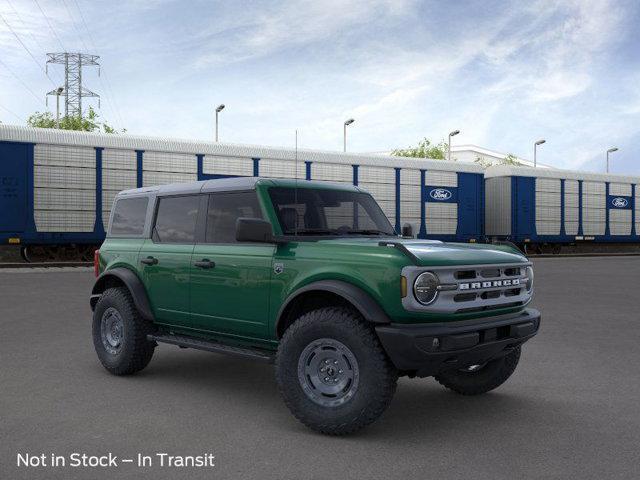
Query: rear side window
column 128, row 216
column 224, row 209
column 176, row 219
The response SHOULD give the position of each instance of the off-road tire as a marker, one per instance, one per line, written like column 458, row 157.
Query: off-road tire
column 485, row 379
column 377, row 378
column 135, row 351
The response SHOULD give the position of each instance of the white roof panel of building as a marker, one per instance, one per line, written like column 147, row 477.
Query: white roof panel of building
column 130, row 142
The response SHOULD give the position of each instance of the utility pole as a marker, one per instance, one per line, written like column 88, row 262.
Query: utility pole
column 344, row 134
column 57, row 92
column 451, row 134
column 535, row 151
column 219, row 108
column 611, row 150
column 73, row 90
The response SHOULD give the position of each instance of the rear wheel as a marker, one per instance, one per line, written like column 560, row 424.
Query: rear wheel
column 120, row 333
column 478, row 379
column 332, row 372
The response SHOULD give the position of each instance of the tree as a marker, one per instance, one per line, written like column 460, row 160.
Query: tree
column 425, row 149
column 510, row 159
column 88, row 123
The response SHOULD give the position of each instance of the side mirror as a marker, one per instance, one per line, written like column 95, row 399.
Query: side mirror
column 407, row 230
column 253, row 230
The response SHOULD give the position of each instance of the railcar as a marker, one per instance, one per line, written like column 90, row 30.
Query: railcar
column 549, row 210
column 58, row 186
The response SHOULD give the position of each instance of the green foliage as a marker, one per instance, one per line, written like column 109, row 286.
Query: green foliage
column 510, row 159
column 425, row 149
column 88, row 123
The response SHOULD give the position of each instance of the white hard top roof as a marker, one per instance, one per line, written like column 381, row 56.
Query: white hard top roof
column 230, row 185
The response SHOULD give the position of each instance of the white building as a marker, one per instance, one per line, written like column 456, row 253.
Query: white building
column 471, row 154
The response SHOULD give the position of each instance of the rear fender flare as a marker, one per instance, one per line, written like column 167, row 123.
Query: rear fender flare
column 133, row 284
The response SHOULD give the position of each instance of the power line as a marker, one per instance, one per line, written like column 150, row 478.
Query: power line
column 24, row 25
column 106, row 85
column 50, row 26
column 21, row 81
column 12, row 113
column 75, row 27
column 28, row 51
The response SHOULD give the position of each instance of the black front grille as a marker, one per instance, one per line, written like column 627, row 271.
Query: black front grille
column 465, row 297
column 465, row 274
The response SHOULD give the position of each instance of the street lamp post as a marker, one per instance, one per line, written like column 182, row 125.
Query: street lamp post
column 611, row 150
column 344, row 137
column 218, row 110
column 535, row 151
column 59, row 91
column 451, row 134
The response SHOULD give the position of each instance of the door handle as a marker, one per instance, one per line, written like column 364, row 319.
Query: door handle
column 149, row 261
column 204, row 263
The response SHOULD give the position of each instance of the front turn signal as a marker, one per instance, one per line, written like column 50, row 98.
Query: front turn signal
column 403, row 286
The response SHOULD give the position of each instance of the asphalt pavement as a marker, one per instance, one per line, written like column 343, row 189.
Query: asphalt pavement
column 571, row 410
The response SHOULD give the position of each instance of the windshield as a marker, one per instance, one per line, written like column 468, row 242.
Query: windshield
column 311, row 211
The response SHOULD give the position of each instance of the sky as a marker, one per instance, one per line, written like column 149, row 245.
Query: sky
column 504, row 73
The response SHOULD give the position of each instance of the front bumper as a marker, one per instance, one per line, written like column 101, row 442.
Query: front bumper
column 427, row 349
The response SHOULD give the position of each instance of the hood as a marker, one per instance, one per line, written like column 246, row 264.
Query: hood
column 436, row 253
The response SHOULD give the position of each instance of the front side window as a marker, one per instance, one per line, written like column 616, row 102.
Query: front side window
column 176, row 219
column 224, row 209
column 128, row 216
column 310, row 211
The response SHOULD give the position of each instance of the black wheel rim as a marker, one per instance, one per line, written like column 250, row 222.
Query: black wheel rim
column 328, row 372
column 111, row 330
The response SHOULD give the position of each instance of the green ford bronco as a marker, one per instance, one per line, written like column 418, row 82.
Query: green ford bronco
column 312, row 277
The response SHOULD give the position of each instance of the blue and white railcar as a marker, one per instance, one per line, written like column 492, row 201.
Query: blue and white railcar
column 58, row 186
column 556, row 207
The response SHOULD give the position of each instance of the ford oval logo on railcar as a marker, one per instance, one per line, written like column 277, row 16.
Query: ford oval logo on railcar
column 440, row 194
column 619, row 202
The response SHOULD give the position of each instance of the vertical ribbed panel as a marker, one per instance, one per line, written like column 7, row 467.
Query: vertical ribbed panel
column 333, row 172
column 64, row 188
column 571, row 207
column 118, row 173
column 498, row 206
column 594, row 204
column 548, row 206
column 214, row 165
column 273, row 168
column 410, row 198
column 381, row 183
column 165, row 167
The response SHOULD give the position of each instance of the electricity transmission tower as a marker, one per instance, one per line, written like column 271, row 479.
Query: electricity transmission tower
column 73, row 91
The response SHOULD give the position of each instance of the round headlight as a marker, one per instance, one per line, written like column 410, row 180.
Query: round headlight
column 425, row 288
column 529, row 281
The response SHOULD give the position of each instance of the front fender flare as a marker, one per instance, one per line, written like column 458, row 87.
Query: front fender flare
column 361, row 300
column 133, row 284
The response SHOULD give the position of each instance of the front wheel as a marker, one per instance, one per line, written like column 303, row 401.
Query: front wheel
column 332, row 372
column 478, row 379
